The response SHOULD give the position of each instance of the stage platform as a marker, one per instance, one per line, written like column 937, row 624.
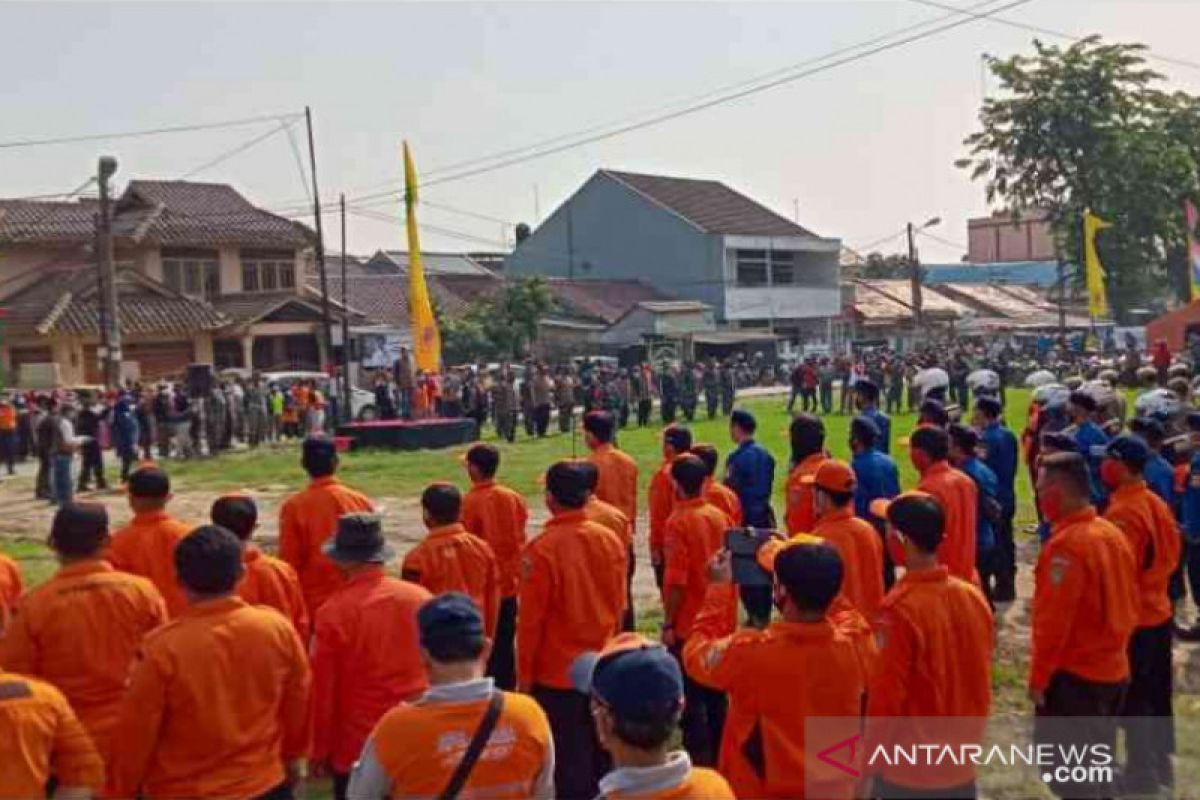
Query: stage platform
column 428, row 434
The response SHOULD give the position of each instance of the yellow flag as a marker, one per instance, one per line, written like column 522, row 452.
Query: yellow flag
column 427, row 341
column 1094, row 270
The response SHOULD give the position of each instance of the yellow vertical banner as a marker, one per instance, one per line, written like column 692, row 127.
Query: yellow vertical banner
column 1191, row 218
column 427, row 341
column 1093, row 269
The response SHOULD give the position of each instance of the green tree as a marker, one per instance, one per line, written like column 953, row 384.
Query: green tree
column 1088, row 126
column 879, row 266
column 500, row 326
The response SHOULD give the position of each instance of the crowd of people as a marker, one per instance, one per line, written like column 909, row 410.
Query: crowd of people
column 500, row 664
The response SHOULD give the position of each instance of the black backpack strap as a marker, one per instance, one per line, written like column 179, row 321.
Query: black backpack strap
column 475, row 749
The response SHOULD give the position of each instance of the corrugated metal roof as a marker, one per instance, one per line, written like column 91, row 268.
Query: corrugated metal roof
column 711, row 206
column 433, row 263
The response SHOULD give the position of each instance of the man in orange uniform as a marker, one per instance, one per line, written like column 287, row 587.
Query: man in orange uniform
column 366, row 656
column 86, row 607
column 807, row 435
column 11, row 587
column 146, row 546
column 716, row 492
column 268, row 581
column 572, row 599
column 407, row 755
column 43, row 740
column 611, row 517
column 855, row 539
column 308, row 519
column 1085, row 608
column 217, row 705
column 1153, row 536
column 618, row 470
column 451, row 559
column 498, row 515
column 956, row 494
column 676, row 440
column 8, row 434
column 935, row 637
column 797, row 667
column 637, row 692
column 695, row 532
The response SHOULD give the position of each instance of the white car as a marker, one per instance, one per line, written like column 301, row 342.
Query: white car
column 362, row 402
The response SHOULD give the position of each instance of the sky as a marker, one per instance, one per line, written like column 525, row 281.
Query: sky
column 853, row 152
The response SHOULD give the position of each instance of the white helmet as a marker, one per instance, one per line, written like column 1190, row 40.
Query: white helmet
column 984, row 381
column 1051, row 395
column 1042, row 377
column 932, row 378
column 1099, row 391
column 1161, row 404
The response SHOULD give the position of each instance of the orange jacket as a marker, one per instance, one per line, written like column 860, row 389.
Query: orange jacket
column 861, row 549
column 366, row 658
column 571, row 600
column 725, row 499
column 42, row 738
column 695, row 531
column 660, row 499
column 216, row 705
column 452, row 560
column 934, row 634
column 1154, row 538
column 498, row 515
column 610, row 517
column 959, row 499
column 618, row 480
column 699, row 784
column 801, row 513
column 11, row 587
column 80, row 630
column 270, row 581
column 1085, row 602
column 775, row 679
column 146, row 547
column 419, row 745
column 306, row 521
column 8, row 418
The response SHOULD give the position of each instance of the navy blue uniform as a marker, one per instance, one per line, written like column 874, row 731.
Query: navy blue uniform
column 1001, row 456
column 1093, row 443
column 884, row 423
column 750, row 472
column 876, row 477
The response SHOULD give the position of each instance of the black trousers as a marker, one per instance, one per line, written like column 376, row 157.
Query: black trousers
column 703, row 719
column 1079, row 713
column 712, row 401
column 565, row 418
column 1189, row 569
column 579, row 761
column 643, row 412
column 1149, row 719
column 668, row 410
column 757, row 601
column 727, row 398
column 541, row 419
column 886, row 790
column 502, row 664
column 341, row 785
column 825, row 391
column 527, row 418
column 42, row 487
column 281, row 792
column 1003, row 562
column 623, row 414
column 91, row 466
column 8, row 450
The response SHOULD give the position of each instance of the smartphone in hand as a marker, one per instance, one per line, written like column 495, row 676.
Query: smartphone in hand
column 743, row 545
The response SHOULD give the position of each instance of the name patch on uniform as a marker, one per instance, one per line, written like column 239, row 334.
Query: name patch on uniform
column 1058, row 569
column 15, row 690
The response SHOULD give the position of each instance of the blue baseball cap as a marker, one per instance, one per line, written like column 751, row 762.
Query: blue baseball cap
column 637, row 678
column 1131, row 450
column 449, row 619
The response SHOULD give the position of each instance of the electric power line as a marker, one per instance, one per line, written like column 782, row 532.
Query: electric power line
column 148, row 132
column 941, row 240
column 241, row 148
column 721, row 100
column 1182, row 62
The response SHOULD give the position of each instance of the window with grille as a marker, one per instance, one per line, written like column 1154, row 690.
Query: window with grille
column 751, row 267
column 262, row 273
column 195, row 277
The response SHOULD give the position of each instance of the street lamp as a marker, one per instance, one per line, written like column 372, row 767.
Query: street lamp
column 914, row 269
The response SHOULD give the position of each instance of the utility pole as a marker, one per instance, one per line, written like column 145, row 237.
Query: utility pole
column 570, row 243
column 914, row 274
column 348, row 413
column 110, row 321
column 325, row 315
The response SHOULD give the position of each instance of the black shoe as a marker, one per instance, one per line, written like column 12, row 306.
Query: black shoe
column 1183, row 634
column 1005, row 591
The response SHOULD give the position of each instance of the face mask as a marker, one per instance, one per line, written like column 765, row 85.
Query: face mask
column 920, row 460
column 1050, row 504
column 1112, row 473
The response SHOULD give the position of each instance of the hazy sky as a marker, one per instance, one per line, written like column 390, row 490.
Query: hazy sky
column 861, row 148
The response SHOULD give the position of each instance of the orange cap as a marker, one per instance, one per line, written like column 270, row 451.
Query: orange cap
column 771, row 550
column 832, row 476
column 882, row 505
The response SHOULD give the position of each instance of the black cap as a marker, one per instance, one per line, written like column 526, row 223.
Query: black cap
column 359, row 540
column 449, row 621
column 1083, row 400
column 1060, row 441
column 989, row 405
column 148, row 482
